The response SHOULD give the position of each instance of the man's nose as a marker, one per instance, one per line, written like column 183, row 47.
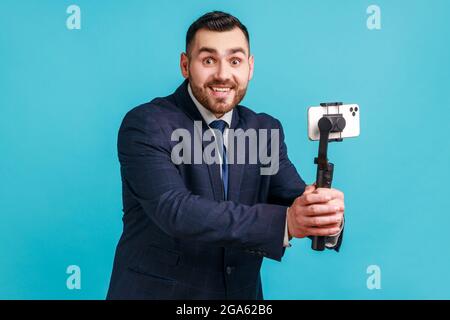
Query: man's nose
column 223, row 71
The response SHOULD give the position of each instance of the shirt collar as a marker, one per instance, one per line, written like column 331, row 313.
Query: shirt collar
column 207, row 115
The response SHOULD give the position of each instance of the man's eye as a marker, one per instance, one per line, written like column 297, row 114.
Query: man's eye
column 235, row 62
column 208, row 61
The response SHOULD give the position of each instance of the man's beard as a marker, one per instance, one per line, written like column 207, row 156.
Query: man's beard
column 217, row 105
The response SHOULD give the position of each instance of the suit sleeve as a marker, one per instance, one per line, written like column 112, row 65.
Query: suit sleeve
column 286, row 184
column 155, row 182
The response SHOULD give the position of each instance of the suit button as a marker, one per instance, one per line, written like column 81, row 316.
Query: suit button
column 229, row 269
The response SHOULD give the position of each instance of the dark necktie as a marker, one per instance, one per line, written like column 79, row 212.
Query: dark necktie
column 220, row 125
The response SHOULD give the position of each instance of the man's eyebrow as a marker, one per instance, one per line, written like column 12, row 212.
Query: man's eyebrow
column 229, row 51
column 238, row 49
column 207, row 49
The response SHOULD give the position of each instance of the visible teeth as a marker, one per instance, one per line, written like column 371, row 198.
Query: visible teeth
column 221, row 89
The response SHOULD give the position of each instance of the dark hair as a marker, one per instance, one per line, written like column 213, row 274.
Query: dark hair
column 215, row 21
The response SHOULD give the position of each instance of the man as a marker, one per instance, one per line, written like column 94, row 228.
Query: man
column 199, row 230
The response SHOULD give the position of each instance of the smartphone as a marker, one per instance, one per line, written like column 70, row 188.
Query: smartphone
column 350, row 112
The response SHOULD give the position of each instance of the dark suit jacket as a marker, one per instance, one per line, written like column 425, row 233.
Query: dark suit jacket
column 180, row 239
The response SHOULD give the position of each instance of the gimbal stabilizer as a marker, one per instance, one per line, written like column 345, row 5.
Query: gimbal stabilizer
column 327, row 124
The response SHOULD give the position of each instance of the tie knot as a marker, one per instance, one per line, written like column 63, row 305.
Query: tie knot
column 218, row 124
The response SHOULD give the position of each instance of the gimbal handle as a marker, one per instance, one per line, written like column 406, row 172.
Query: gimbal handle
column 324, row 178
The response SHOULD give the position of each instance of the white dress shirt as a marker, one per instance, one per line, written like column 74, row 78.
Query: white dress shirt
column 209, row 117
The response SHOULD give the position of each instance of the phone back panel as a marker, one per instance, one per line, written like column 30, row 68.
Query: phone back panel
column 350, row 112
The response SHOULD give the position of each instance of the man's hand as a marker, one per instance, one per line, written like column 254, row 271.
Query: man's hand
column 317, row 212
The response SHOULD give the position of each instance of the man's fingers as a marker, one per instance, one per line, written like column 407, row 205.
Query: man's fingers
column 329, row 221
column 312, row 198
column 324, row 232
column 321, row 209
column 333, row 193
column 337, row 202
column 310, row 188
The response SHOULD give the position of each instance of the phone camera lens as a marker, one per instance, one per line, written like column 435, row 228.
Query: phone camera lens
column 351, row 109
column 353, row 113
column 356, row 108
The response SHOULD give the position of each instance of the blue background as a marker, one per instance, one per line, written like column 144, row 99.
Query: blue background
column 63, row 94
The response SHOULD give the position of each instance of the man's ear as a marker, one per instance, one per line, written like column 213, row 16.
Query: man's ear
column 251, row 62
column 184, row 63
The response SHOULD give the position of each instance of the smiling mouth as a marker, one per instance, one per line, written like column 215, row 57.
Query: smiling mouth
column 220, row 91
